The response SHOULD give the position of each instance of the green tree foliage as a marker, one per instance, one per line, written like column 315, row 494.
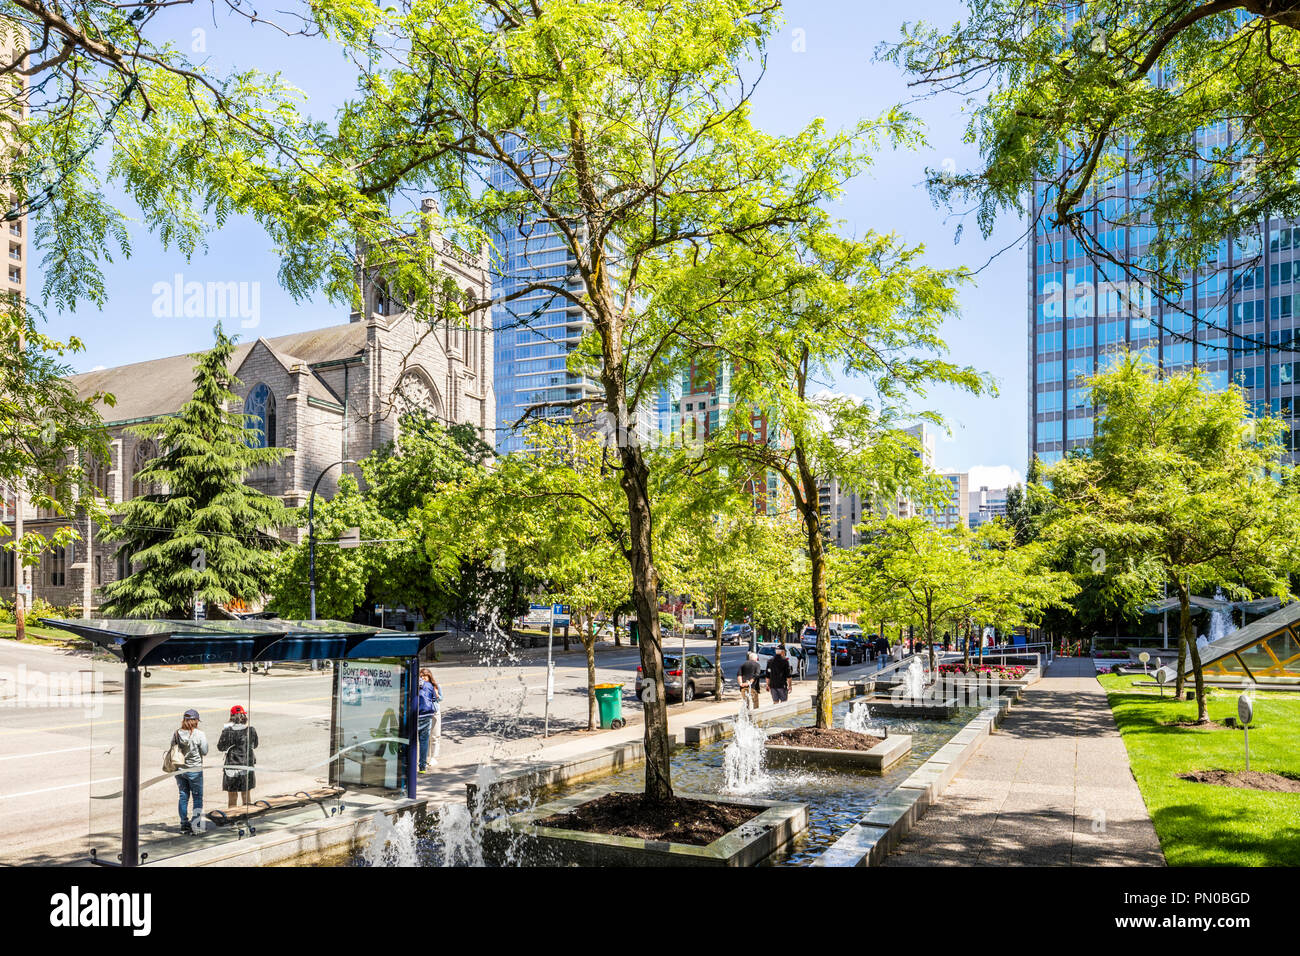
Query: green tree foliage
column 203, row 533
column 42, row 420
column 816, row 304
column 555, row 513
column 1128, row 89
column 1182, row 486
column 625, row 127
column 909, row 569
column 395, row 569
column 724, row 556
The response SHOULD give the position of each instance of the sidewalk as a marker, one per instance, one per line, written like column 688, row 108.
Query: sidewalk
column 1052, row 788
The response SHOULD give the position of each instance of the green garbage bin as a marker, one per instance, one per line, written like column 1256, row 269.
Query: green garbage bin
column 609, row 698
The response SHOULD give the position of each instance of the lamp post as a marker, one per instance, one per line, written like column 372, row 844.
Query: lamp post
column 311, row 532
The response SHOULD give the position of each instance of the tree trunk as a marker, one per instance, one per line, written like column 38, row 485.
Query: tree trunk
column 634, row 479
column 589, row 644
column 1184, row 632
column 821, row 610
column 614, row 628
column 719, row 621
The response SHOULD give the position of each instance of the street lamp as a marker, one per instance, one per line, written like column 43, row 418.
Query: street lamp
column 311, row 532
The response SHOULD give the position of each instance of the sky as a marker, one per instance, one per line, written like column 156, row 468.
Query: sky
column 820, row 64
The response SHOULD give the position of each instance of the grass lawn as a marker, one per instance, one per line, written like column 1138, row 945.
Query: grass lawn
column 38, row 635
column 1202, row 824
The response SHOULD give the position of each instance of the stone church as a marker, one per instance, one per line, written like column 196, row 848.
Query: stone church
column 326, row 394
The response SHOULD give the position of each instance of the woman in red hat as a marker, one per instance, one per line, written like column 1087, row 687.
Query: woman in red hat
column 238, row 741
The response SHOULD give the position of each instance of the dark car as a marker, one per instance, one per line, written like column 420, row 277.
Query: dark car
column 847, row 652
column 861, row 642
column 798, row 659
column 701, row 677
column 737, row 634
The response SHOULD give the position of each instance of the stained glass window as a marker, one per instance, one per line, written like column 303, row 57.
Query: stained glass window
column 260, row 405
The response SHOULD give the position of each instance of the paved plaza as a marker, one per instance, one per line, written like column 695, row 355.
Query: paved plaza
column 1052, row 788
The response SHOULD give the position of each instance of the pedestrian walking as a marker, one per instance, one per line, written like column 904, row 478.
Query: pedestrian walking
column 194, row 743
column 430, row 718
column 748, row 679
column 778, row 676
column 238, row 741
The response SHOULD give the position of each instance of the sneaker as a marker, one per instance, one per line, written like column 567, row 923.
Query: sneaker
column 187, row 829
column 424, row 770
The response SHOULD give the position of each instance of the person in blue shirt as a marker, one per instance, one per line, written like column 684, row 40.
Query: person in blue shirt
column 430, row 718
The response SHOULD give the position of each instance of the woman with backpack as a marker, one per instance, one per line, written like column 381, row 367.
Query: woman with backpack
column 193, row 743
column 238, row 741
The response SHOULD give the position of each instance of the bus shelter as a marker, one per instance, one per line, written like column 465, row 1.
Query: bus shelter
column 301, row 719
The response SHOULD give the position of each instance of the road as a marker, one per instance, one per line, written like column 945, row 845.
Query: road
column 61, row 729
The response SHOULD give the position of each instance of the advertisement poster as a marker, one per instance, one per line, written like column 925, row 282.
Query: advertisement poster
column 368, row 707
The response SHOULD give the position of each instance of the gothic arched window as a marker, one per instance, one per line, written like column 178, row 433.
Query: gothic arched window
column 144, row 451
column 260, row 405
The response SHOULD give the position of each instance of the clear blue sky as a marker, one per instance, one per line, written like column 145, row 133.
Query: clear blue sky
column 832, row 77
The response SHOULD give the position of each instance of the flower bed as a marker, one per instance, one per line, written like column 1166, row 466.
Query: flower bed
column 1000, row 671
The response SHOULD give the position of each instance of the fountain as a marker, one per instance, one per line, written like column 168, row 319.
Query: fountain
column 910, row 697
column 858, row 720
column 393, row 844
column 743, row 760
column 1221, row 622
column 914, row 680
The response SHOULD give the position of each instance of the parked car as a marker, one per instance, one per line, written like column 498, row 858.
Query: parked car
column 851, row 630
column 737, row 634
column 861, row 642
column 809, row 639
column 701, row 677
column 797, row 655
column 847, row 652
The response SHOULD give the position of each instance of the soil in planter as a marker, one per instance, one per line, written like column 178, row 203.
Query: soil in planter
column 825, row 738
column 1246, row 780
column 694, row 822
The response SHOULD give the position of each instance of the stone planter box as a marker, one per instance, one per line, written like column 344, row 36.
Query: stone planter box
column 876, row 760
column 926, row 707
column 519, row 837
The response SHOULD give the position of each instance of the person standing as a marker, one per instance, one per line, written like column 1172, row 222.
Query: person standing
column 430, row 718
column 238, row 740
column 748, row 679
column 778, row 676
column 190, row 780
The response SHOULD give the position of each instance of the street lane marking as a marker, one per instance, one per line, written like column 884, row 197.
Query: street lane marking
column 66, row 786
column 46, row 753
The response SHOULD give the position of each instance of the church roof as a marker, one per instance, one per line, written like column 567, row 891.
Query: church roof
column 161, row 386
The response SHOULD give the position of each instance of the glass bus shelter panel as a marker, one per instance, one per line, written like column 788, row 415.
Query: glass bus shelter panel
column 103, row 761
column 368, row 725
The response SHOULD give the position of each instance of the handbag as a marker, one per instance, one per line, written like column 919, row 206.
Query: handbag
column 175, row 757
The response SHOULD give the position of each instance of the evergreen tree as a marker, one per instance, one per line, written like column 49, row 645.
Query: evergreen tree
column 202, row 533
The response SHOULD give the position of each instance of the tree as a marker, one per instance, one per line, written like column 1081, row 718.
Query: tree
column 931, row 575
column 621, row 131
column 722, row 553
column 814, row 304
column 205, row 535
column 552, row 512
column 1183, row 485
column 396, row 568
column 1128, row 90
column 41, row 418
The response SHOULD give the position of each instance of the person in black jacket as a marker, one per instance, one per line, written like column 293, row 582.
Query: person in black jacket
column 778, row 675
column 238, row 741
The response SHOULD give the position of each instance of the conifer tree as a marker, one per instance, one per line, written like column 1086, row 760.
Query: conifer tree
column 202, row 533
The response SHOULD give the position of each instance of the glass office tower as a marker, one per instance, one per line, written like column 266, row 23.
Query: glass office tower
column 1082, row 310
column 534, row 334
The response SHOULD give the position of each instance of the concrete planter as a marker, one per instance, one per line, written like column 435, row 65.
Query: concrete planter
column 930, row 708
column 518, row 838
column 876, row 760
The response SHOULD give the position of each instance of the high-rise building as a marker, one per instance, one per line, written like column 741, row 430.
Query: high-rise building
column 1083, row 309
column 954, row 511
column 986, row 504
column 535, row 331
